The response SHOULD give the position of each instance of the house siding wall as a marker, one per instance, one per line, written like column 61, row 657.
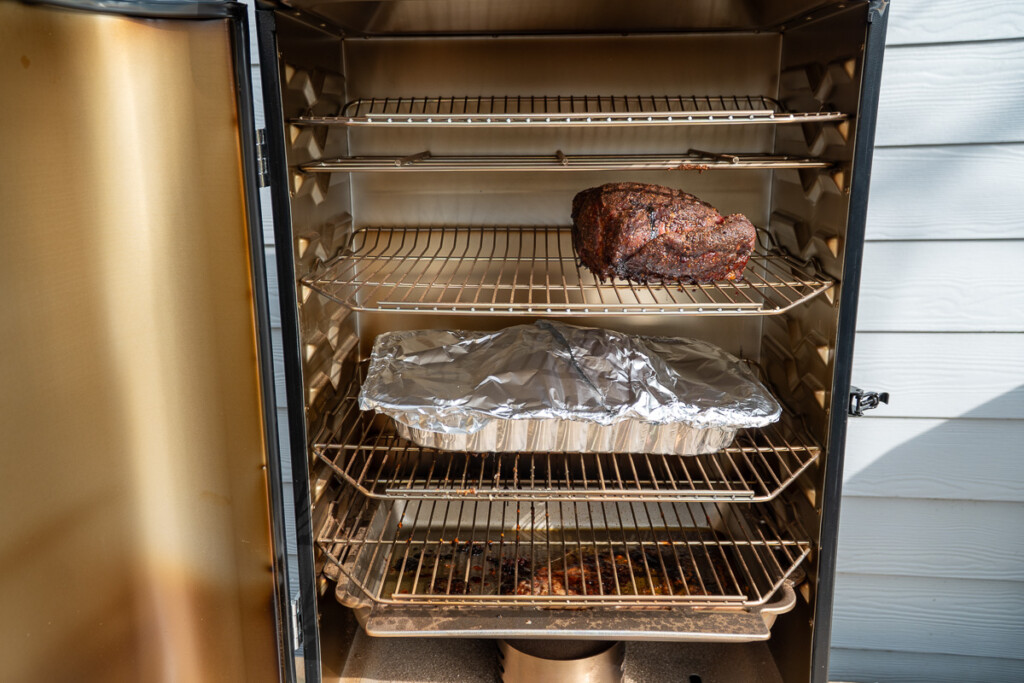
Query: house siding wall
column 931, row 578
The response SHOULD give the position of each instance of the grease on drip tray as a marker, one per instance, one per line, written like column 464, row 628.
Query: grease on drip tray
column 554, row 563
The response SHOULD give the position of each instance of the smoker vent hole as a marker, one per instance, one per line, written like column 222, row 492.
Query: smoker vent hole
column 694, row 678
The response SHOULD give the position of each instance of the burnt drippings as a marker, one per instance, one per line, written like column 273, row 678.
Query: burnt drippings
column 512, row 571
column 700, row 168
column 663, row 571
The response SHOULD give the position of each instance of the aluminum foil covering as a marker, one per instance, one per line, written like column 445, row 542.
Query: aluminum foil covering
column 555, row 387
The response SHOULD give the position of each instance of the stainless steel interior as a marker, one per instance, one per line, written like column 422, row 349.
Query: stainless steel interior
column 429, row 189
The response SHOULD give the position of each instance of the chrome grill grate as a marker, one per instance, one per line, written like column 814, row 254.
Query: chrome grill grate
column 692, row 160
column 559, row 554
column 415, row 526
column 379, row 464
column 533, row 270
column 567, row 110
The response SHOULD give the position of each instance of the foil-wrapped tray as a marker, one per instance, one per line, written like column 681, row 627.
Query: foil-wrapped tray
column 553, row 387
column 573, row 436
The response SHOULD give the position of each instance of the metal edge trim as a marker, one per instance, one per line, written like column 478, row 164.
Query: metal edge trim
column 584, row 634
column 153, row 9
column 239, row 26
column 266, row 27
column 826, row 9
column 833, row 482
column 377, row 625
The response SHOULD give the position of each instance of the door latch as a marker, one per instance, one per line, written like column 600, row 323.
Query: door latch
column 861, row 400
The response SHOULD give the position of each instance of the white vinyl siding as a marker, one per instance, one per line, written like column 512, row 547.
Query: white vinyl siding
column 916, row 179
column 931, row 576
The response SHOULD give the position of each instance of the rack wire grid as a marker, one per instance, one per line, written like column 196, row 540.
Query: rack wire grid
column 370, row 457
column 533, row 270
column 567, row 110
column 692, row 160
column 559, row 554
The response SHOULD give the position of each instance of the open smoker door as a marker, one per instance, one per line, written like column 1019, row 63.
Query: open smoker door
column 142, row 535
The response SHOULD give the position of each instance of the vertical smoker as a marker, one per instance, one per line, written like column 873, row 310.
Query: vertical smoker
column 422, row 156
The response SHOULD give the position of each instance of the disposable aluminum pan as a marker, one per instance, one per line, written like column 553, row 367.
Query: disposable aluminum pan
column 553, row 387
column 573, row 436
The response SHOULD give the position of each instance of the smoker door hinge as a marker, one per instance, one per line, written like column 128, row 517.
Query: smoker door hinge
column 861, row 400
column 262, row 158
column 296, row 627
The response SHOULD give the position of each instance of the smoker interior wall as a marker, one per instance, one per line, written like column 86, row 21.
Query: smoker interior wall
column 310, row 71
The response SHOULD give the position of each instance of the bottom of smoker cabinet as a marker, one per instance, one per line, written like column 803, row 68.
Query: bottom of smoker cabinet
column 351, row 656
column 476, row 661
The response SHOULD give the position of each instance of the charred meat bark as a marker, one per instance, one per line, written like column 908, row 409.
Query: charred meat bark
column 648, row 232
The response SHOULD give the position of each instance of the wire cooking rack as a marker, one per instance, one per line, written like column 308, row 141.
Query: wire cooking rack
column 379, row 464
column 559, row 554
column 692, row 160
column 513, row 270
column 567, row 110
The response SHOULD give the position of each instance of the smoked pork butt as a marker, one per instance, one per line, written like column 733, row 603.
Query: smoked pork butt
column 646, row 232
